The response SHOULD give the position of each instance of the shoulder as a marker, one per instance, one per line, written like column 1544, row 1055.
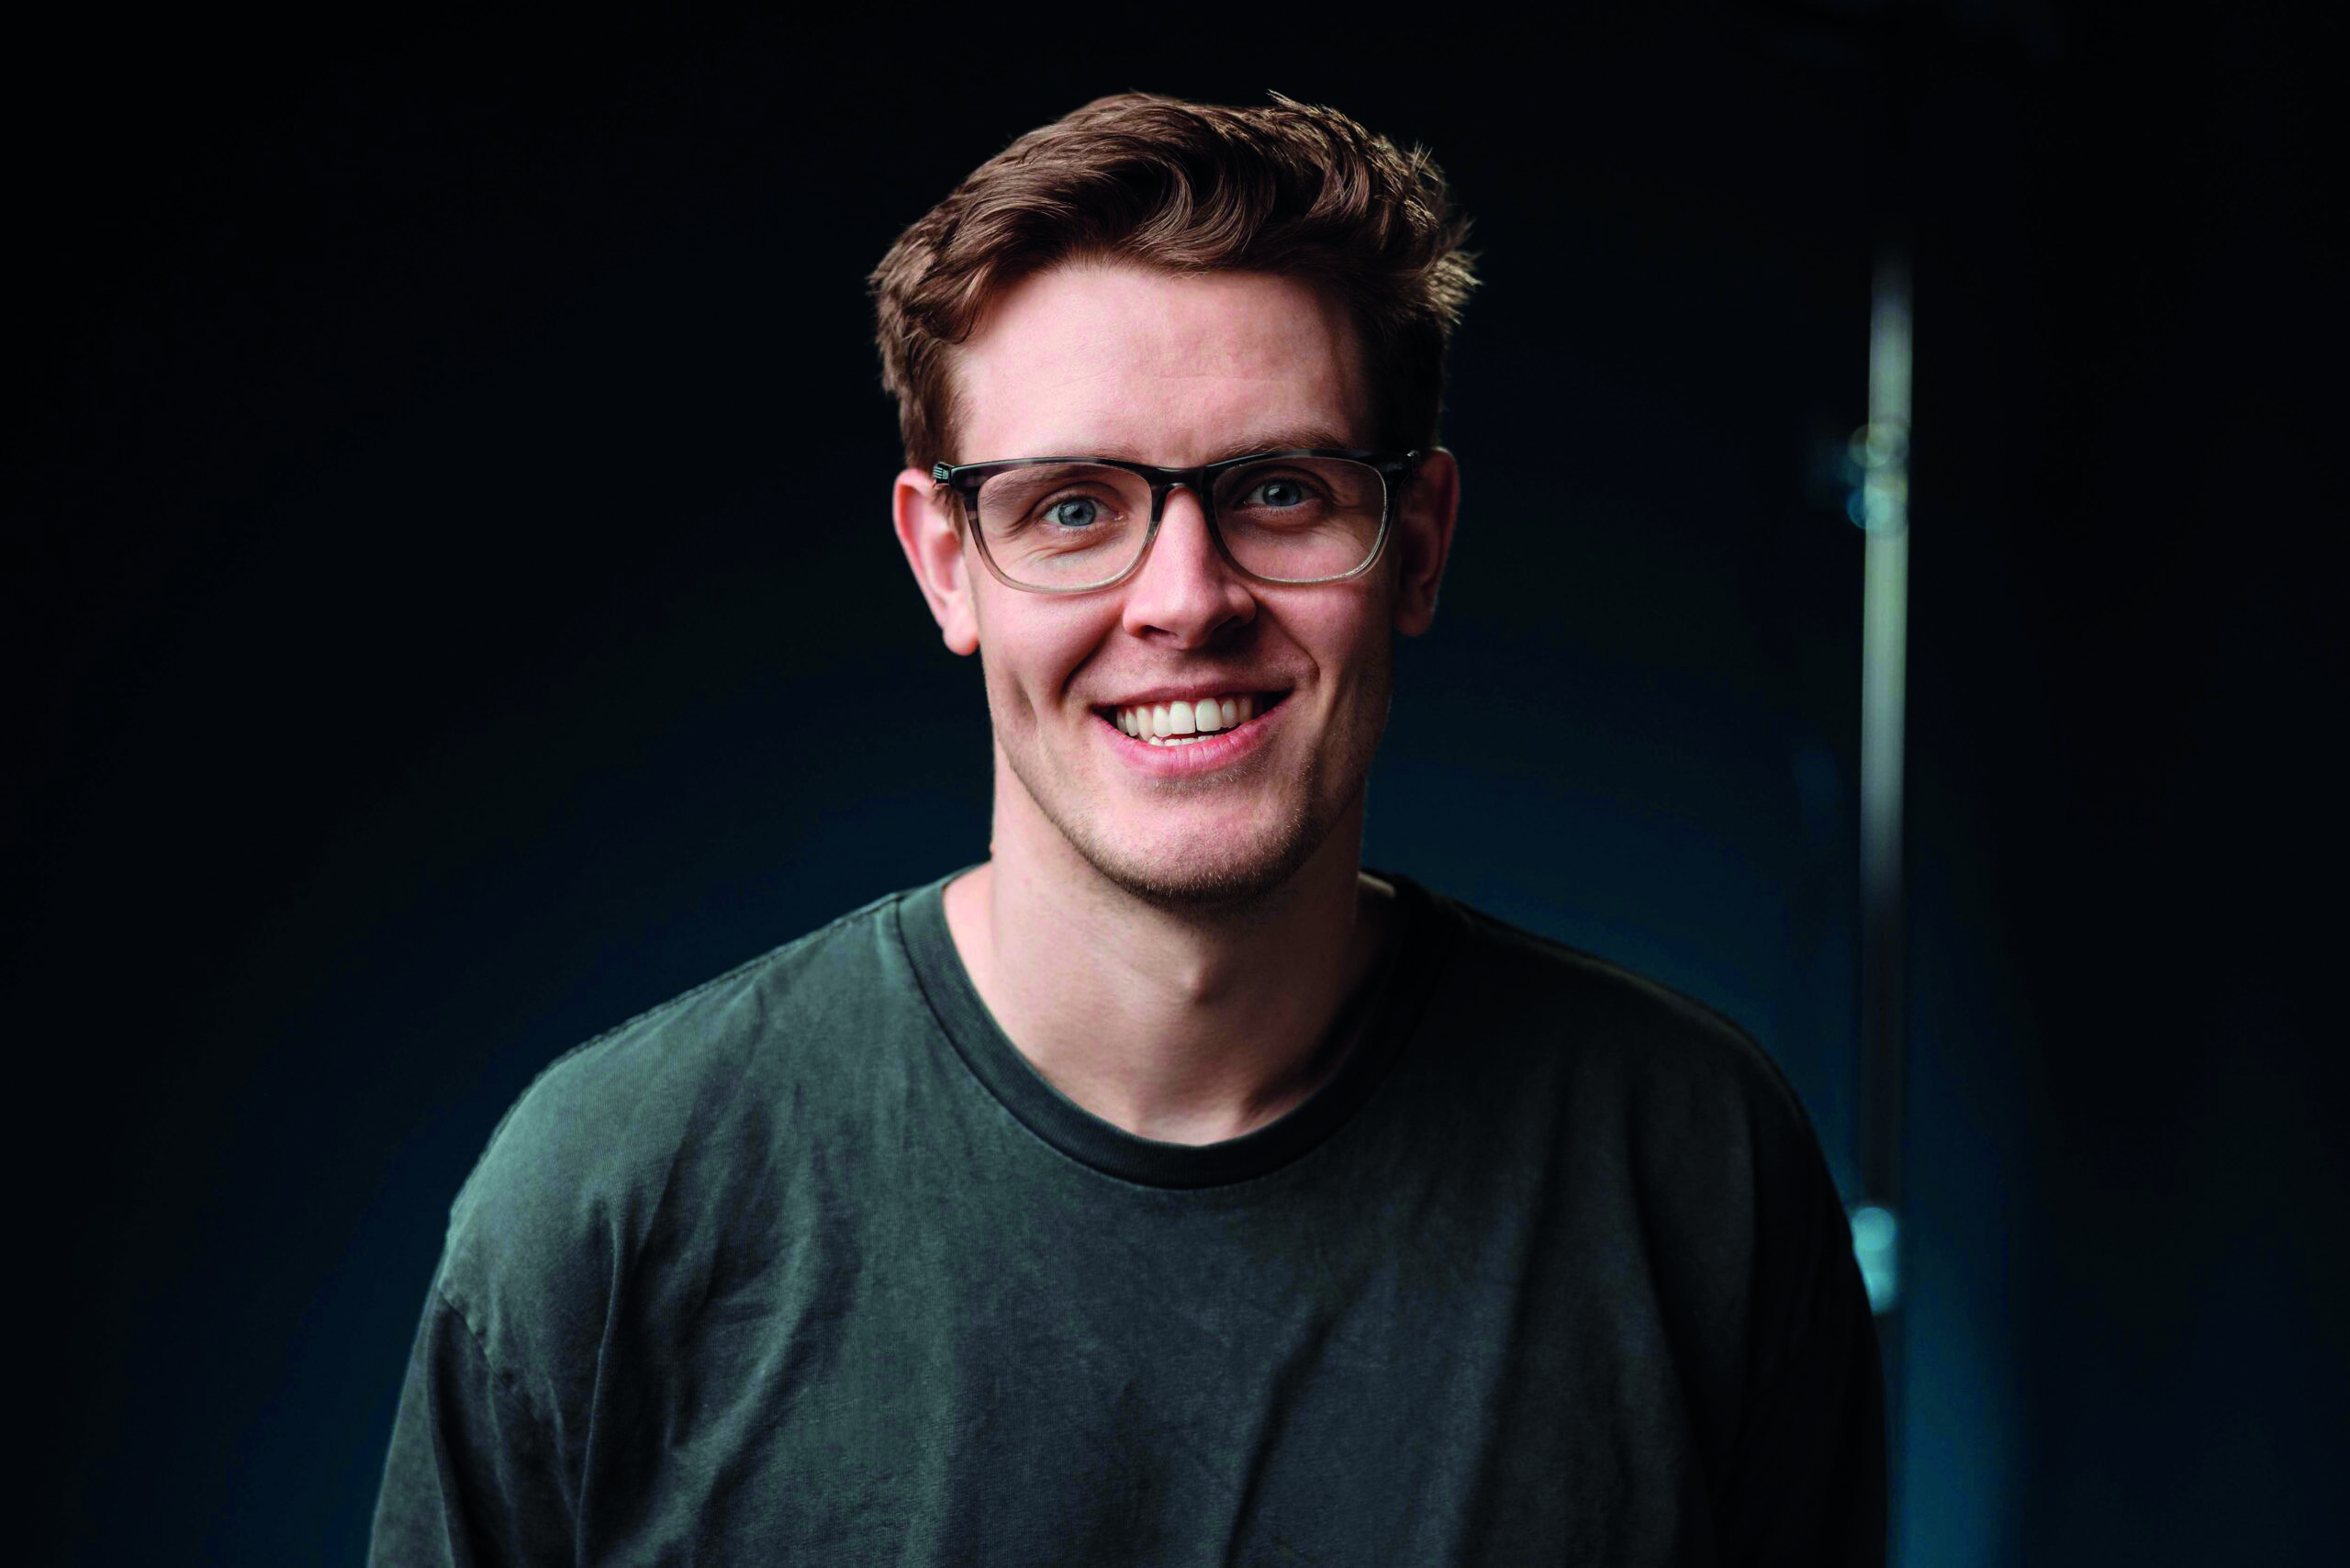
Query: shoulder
column 635, row 1135
column 1601, row 1029
column 1633, row 1090
column 1676, row 1124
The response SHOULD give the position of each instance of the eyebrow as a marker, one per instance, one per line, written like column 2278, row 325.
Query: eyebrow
column 1287, row 437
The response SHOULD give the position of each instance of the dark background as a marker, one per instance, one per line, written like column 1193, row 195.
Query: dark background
column 449, row 501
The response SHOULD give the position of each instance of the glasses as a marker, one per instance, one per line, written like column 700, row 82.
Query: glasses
column 1075, row 524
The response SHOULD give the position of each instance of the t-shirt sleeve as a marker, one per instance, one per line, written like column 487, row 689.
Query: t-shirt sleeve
column 487, row 1459
column 1807, row 1481
column 474, row 1475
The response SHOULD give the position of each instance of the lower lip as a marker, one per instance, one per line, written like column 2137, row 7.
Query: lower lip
column 1219, row 750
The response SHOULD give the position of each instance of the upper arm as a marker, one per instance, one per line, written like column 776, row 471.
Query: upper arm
column 475, row 1475
column 1806, row 1477
column 1766, row 1299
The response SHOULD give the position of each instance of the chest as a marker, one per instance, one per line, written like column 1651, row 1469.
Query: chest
column 980, row 1382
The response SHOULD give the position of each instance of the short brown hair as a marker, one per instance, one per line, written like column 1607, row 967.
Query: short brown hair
column 1284, row 189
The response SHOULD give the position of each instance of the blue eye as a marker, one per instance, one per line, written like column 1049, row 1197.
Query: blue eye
column 1077, row 511
column 1278, row 493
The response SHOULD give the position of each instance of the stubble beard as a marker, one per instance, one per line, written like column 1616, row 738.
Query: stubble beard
column 1196, row 880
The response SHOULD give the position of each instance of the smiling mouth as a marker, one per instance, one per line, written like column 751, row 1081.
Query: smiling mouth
column 1185, row 721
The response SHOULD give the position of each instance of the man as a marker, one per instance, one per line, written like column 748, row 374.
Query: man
column 1166, row 1188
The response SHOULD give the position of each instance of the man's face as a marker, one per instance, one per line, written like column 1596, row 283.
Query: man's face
column 1111, row 361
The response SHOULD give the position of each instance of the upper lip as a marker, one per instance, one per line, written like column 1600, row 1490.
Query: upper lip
column 1210, row 685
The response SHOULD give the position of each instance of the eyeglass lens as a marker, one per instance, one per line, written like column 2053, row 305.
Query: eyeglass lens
column 1069, row 525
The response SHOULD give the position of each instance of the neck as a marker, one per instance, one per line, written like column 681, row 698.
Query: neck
column 1184, row 1027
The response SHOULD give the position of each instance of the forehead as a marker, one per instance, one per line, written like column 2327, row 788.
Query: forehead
column 1118, row 361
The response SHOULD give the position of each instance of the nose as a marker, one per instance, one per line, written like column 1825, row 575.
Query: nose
column 1185, row 590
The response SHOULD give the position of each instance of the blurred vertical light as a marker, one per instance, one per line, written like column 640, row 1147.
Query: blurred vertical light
column 1881, row 507
column 1877, row 1243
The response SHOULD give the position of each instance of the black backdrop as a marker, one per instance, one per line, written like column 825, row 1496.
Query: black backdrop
column 461, row 614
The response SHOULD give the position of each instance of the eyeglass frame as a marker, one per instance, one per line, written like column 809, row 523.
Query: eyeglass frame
column 1393, row 469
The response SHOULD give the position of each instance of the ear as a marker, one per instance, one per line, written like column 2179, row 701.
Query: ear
column 928, row 534
column 1423, row 540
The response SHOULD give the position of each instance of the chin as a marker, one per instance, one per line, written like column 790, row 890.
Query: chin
column 1198, row 873
column 1201, row 869
column 1202, row 882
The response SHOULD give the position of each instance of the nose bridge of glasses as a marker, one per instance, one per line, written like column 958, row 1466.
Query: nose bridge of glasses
column 1162, row 499
column 1162, row 491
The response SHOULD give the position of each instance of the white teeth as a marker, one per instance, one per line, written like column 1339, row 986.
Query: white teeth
column 1185, row 719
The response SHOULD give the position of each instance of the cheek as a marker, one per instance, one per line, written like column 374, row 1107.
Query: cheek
column 1028, row 666
column 1367, row 691
column 1356, row 644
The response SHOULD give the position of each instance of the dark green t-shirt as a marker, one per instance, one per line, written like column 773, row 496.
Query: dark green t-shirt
column 810, row 1266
